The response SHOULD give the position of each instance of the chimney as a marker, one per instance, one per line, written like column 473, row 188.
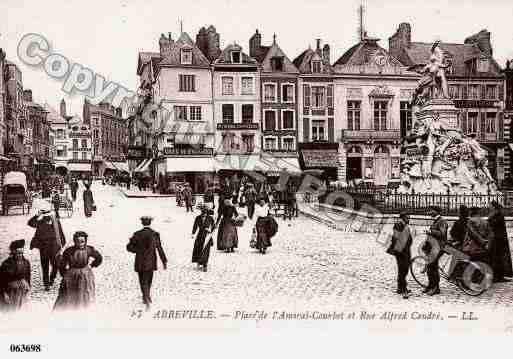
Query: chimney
column 119, row 112
column 318, row 45
column 27, row 95
column 164, row 44
column 201, row 41
column 482, row 40
column 213, row 40
column 63, row 108
column 326, row 54
column 169, row 37
column 255, row 42
column 400, row 41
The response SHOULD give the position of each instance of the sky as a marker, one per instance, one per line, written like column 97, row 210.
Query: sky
column 107, row 35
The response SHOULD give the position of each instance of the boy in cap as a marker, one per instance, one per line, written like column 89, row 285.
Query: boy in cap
column 145, row 243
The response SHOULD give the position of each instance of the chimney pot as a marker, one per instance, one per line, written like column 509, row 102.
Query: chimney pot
column 318, row 44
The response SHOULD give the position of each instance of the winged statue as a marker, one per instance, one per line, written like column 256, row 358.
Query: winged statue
column 433, row 76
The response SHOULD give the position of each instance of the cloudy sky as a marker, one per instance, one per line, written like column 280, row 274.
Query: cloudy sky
column 106, row 35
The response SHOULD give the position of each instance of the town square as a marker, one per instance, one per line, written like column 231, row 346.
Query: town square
column 200, row 174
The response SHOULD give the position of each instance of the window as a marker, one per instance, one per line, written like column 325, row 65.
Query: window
column 287, row 93
column 453, row 91
column 249, row 143
column 75, row 155
column 491, row 92
column 236, row 58
column 287, row 144
column 60, row 133
column 75, row 144
column 380, row 115
column 318, row 96
column 84, row 155
column 186, row 83
column 405, row 117
column 186, row 56
column 353, row 115
column 270, row 143
column 483, row 65
column 84, row 143
column 247, row 85
column 180, row 113
column 316, row 67
column 228, row 142
column 473, row 92
column 227, row 110
column 195, row 113
column 490, row 122
column 227, row 83
column 269, row 93
column 277, row 63
column 270, row 120
column 287, row 120
column 318, row 130
column 61, row 153
column 247, row 113
column 472, row 122
column 96, row 134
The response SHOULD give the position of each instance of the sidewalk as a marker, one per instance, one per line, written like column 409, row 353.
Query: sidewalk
column 135, row 193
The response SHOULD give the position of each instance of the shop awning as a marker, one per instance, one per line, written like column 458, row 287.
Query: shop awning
column 274, row 166
column 186, row 138
column 143, row 167
column 121, row 166
column 191, row 164
column 320, row 158
column 109, row 165
column 82, row 167
column 236, row 162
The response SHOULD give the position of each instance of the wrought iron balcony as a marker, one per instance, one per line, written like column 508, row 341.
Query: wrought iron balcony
column 373, row 135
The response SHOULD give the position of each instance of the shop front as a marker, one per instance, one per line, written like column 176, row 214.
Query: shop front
column 79, row 169
column 320, row 156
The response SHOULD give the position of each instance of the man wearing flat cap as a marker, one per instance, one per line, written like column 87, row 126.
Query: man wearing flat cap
column 14, row 278
column 145, row 243
column 49, row 239
column 438, row 232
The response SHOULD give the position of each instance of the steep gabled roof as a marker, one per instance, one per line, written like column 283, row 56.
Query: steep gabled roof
column 262, row 53
column 225, row 58
column 275, row 51
column 172, row 57
column 302, row 62
column 144, row 58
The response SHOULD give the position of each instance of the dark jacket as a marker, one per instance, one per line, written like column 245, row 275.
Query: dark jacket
column 45, row 238
column 208, row 197
column 145, row 244
column 402, row 239
column 499, row 247
column 11, row 271
column 202, row 225
column 438, row 230
column 68, row 260
column 459, row 231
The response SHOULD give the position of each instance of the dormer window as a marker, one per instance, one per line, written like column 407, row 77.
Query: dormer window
column 236, row 58
column 186, row 57
column 277, row 63
column 316, row 67
column 483, row 65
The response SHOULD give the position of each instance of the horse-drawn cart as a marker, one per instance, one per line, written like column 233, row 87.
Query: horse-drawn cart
column 15, row 193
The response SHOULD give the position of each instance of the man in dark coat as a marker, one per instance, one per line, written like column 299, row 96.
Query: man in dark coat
column 145, row 244
column 74, row 188
column 500, row 254
column 402, row 240
column 438, row 231
column 250, row 197
column 187, row 196
column 459, row 228
column 49, row 239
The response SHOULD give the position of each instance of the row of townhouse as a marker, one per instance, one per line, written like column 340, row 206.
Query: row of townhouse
column 25, row 136
column 227, row 110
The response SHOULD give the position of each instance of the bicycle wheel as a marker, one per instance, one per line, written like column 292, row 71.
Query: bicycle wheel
column 476, row 282
column 418, row 268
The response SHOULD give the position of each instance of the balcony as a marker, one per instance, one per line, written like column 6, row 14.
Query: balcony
column 370, row 135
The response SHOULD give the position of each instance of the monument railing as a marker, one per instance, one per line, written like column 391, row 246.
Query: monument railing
column 388, row 200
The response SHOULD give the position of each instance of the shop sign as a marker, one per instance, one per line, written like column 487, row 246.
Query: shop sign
column 172, row 151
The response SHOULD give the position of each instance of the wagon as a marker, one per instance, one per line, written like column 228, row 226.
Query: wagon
column 15, row 193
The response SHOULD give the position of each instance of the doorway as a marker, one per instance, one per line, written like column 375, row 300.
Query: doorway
column 381, row 166
column 354, row 168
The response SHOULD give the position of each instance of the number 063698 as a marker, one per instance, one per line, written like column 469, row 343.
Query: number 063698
column 25, row 348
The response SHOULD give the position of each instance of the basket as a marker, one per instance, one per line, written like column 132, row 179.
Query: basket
column 239, row 221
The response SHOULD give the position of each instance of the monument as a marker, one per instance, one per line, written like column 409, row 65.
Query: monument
column 438, row 157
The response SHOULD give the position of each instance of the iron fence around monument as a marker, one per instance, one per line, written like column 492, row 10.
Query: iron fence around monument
column 389, row 200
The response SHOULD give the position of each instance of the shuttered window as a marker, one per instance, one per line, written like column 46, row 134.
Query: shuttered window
column 331, row 129
column 329, row 96
column 306, row 129
column 306, row 95
column 186, row 83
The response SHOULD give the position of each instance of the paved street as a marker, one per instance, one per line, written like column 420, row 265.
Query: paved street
column 310, row 266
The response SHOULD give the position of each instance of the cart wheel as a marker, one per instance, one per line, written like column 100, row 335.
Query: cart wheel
column 477, row 283
column 418, row 267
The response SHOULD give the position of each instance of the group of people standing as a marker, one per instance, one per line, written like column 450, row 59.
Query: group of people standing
column 481, row 240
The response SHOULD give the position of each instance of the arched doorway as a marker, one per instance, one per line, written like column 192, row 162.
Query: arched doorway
column 381, row 165
column 61, row 171
column 354, row 163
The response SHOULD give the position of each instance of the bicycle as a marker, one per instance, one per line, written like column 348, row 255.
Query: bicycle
column 471, row 286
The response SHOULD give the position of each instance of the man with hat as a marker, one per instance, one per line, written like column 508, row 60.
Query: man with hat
column 204, row 225
column 145, row 243
column 250, row 196
column 438, row 233
column 49, row 239
column 14, row 278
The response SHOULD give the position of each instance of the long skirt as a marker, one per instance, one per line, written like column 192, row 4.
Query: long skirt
column 199, row 243
column 16, row 295
column 263, row 240
column 227, row 237
column 88, row 210
column 77, row 289
column 205, row 252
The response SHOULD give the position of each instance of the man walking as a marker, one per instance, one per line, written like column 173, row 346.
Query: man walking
column 145, row 243
column 74, row 188
column 438, row 232
column 187, row 194
column 49, row 239
column 250, row 196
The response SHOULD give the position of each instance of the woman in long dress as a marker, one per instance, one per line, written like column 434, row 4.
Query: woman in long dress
column 77, row 288
column 500, row 253
column 204, row 225
column 227, row 238
column 14, row 278
column 88, row 200
column 263, row 239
